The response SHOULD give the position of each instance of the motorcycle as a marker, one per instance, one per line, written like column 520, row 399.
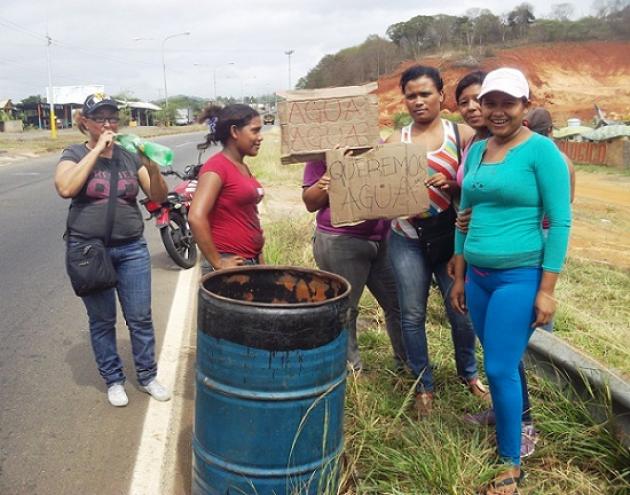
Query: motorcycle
column 171, row 217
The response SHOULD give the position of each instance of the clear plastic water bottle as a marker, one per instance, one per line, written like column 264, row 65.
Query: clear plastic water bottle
column 158, row 153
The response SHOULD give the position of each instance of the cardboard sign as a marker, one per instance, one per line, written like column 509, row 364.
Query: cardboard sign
column 385, row 182
column 314, row 121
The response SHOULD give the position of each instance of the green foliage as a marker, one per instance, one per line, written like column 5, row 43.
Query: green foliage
column 181, row 101
column 401, row 119
column 423, row 35
column 388, row 452
column 125, row 96
column 453, row 117
column 355, row 65
column 32, row 99
column 125, row 116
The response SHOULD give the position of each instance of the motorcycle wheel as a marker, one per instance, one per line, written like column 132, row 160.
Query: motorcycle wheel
column 178, row 241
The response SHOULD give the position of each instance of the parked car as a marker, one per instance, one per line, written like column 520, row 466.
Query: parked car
column 183, row 116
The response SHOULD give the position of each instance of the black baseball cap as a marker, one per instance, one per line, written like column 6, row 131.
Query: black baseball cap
column 96, row 101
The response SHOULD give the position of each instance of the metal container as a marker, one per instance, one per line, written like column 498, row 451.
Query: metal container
column 271, row 371
column 574, row 122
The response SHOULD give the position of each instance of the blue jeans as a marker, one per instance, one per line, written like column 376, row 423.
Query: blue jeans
column 133, row 267
column 413, row 274
column 363, row 263
column 501, row 305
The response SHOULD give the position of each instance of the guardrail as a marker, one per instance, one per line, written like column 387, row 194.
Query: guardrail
column 552, row 357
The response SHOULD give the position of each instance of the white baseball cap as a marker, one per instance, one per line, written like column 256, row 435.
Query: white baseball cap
column 505, row 80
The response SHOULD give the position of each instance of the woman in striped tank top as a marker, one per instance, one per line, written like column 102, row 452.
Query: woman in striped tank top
column 420, row 247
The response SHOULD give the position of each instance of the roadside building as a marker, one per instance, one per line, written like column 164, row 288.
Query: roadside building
column 141, row 112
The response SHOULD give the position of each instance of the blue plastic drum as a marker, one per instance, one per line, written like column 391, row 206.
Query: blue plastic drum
column 271, row 371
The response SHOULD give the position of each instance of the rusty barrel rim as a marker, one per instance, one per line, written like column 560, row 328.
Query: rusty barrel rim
column 279, row 268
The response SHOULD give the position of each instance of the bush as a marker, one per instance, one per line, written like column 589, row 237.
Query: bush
column 401, row 119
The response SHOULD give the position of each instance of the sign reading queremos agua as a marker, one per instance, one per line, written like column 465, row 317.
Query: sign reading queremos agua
column 384, row 182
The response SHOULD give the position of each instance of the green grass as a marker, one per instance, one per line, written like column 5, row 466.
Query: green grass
column 388, row 452
column 594, row 311
column 39, row 141
column 602, row 169
column 267, row 166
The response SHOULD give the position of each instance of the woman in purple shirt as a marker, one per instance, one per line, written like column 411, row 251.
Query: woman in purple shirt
column 357, row 253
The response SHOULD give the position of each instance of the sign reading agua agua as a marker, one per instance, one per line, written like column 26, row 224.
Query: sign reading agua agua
column 314, row 121
column 384, row 182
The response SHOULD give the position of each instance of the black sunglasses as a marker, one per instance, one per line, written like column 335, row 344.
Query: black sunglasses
column 102, row 120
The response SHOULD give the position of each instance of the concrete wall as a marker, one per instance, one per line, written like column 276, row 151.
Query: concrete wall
column 615, row 153
column 11, row 126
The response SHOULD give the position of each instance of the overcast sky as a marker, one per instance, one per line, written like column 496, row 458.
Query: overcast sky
column 93, row 42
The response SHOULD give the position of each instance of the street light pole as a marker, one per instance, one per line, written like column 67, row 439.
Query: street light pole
column 289, row 53
column 51, row 97
column 214, row 74
column 187, row 33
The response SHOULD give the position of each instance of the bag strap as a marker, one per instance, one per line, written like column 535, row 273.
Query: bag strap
column 111, row 202
column 458, row 143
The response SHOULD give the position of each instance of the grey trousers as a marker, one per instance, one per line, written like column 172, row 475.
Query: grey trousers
column 362, row 262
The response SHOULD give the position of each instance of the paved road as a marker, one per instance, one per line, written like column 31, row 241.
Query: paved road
column 58, row 434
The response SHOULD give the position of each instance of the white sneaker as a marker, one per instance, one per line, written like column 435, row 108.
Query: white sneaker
column 156, row 390
column 117, row 396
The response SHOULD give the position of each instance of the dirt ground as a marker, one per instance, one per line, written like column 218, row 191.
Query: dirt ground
column 601, row 224
column 566, row 78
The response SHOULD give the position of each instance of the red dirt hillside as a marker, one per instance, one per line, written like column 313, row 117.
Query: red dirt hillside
column 567, row 78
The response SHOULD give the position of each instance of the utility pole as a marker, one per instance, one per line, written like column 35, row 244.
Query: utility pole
column 51, row 98
column 167, row 119
column 289, row 53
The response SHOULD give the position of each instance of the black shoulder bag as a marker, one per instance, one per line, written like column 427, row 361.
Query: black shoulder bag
column 437, row 234
column 87, row 262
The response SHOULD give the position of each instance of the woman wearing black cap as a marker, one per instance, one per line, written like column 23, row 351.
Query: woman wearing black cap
column 84, row 174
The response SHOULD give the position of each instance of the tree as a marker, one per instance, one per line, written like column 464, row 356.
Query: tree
column 412, row 36
column 487, row 27
column 465, row 28
column 561, row 11
column 504, row 26
column 125, row 96
column 520, row 19
column 30, row 100
column 443, row 28
column 616, row 14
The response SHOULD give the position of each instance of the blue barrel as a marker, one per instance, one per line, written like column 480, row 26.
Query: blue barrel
column 270, row 386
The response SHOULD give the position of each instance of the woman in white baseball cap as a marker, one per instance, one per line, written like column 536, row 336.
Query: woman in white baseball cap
column 505, row 273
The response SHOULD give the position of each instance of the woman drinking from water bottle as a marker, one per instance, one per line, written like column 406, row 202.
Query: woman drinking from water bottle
column 85, row 173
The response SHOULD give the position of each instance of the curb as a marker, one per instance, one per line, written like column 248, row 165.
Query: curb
column 553, row 358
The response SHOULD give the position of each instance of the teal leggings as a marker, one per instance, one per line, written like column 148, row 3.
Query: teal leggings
column 501, row 306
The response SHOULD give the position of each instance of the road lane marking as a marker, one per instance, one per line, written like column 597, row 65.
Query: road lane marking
column 186, row 144
column 161, row 423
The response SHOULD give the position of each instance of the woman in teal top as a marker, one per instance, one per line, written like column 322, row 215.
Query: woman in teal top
column 505, row 273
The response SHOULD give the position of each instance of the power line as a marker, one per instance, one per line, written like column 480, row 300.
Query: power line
column 17, row 27
column 61, row 44
column 102, row 56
